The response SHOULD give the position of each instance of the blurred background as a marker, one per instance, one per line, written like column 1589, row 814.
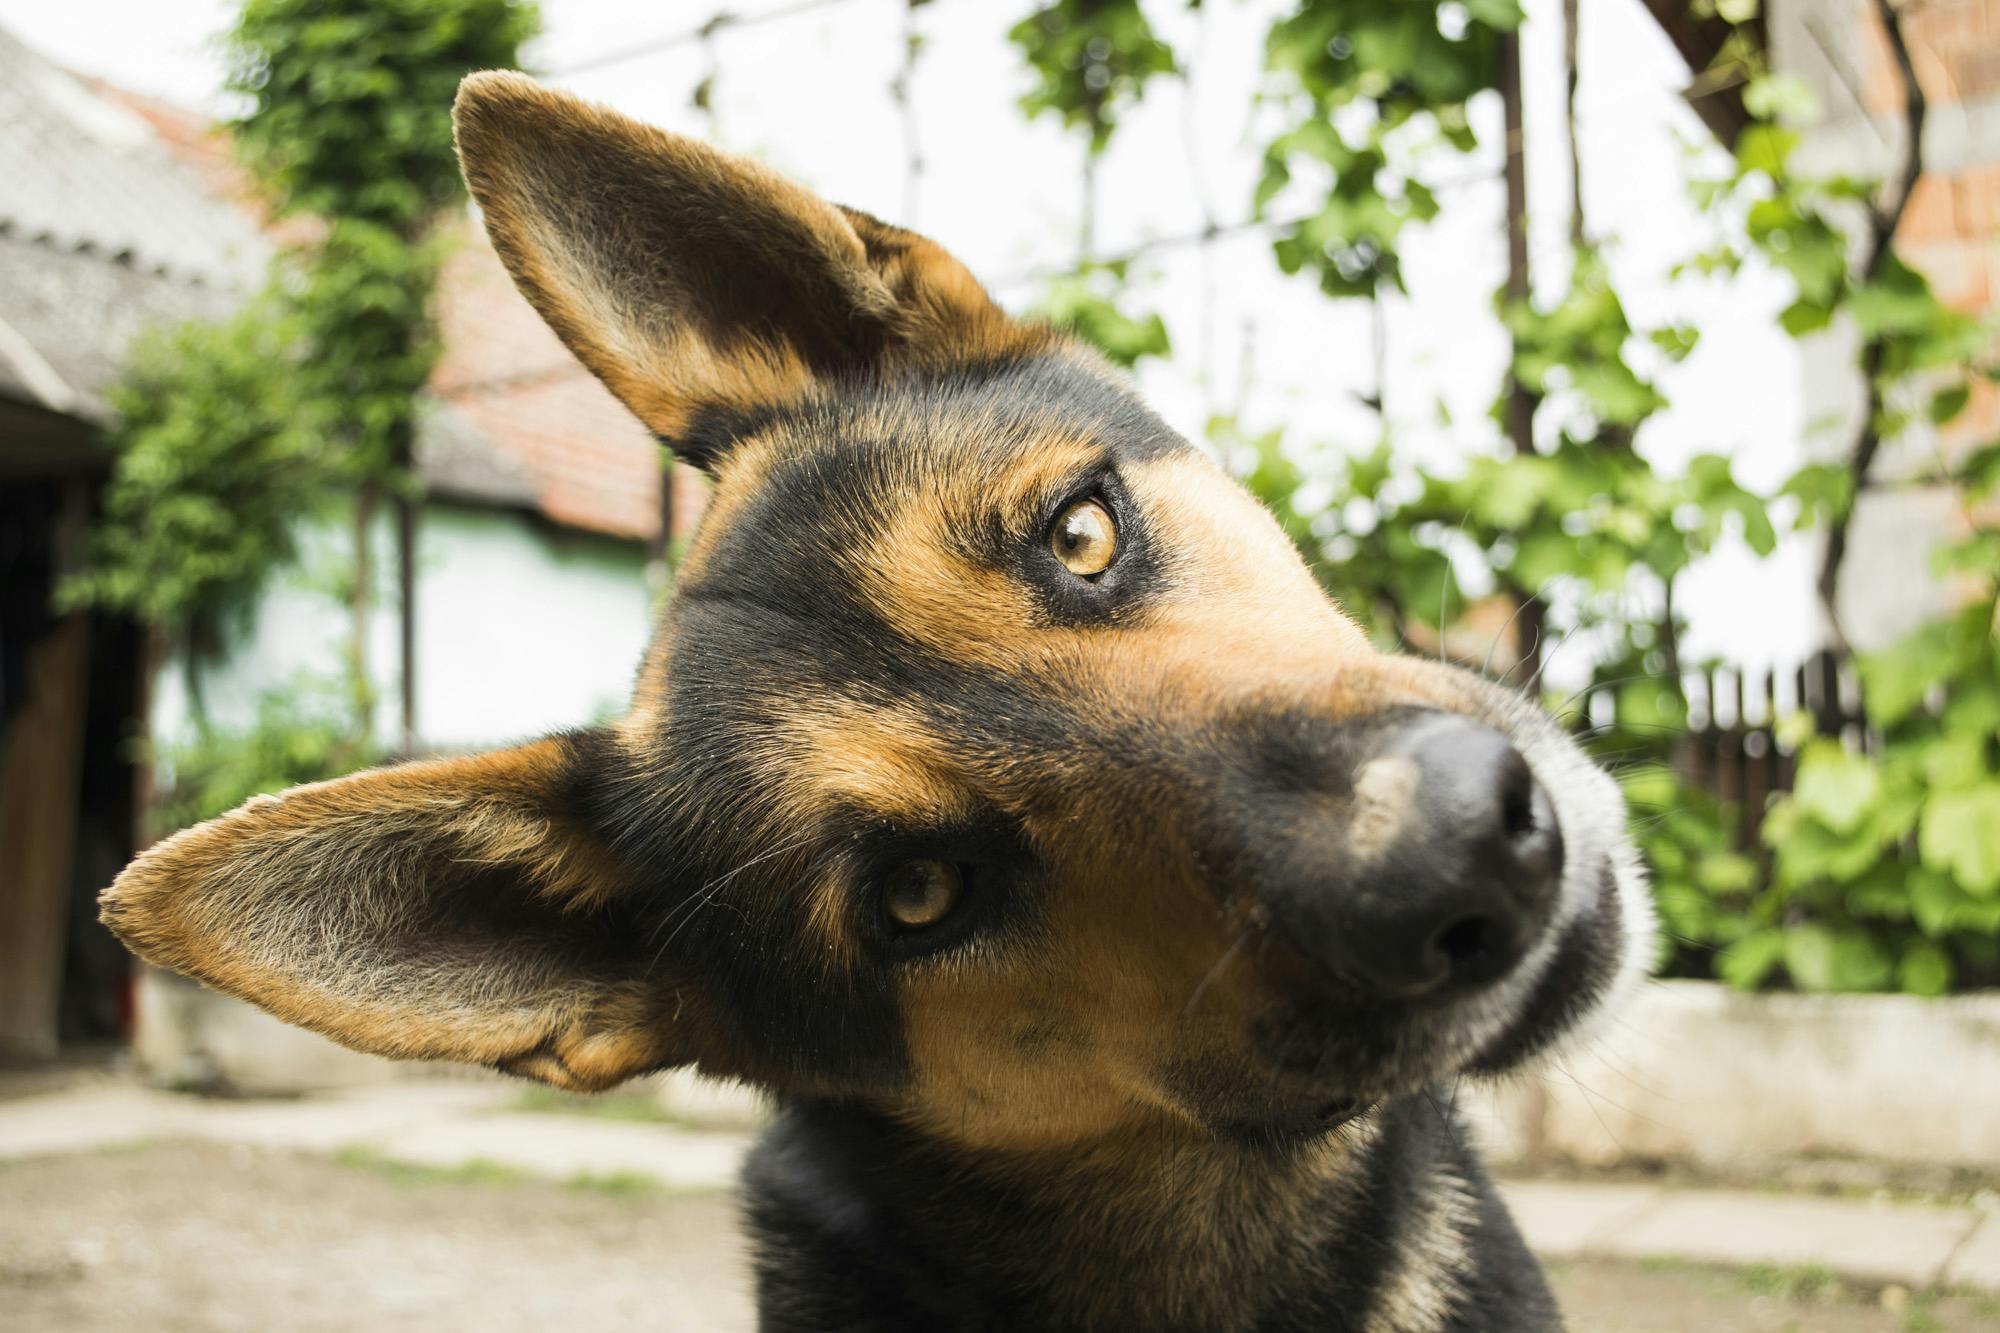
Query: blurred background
column 1637, row 352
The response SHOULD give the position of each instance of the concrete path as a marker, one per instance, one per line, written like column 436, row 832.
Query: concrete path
column 448, row 1125
column 1873, row 1242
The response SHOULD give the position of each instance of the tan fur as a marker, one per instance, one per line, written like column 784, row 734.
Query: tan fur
column 308, row 904
column 1383, row 791
column 837, row 753
column 633, row 243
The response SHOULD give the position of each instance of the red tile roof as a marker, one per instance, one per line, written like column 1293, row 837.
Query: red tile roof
column 590, row 461
column 586, row 460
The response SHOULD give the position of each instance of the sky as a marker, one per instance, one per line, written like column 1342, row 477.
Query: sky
column 810, row 95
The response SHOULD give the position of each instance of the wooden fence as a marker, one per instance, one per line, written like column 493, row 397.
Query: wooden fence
column 1731, row 747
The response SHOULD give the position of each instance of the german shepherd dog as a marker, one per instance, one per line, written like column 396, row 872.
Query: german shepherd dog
column 1108, row 920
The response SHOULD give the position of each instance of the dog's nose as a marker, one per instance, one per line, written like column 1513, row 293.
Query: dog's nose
column 1454, row 857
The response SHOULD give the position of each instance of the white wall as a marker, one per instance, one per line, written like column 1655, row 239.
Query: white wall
column 522, row 628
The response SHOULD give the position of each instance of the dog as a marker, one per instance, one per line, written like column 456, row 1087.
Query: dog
column 1109, row 922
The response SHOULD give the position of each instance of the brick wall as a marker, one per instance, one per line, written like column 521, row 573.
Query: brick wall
column 1951, row 230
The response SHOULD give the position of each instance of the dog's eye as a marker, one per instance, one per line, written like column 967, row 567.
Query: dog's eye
column 1085, row 539
column 922, row 893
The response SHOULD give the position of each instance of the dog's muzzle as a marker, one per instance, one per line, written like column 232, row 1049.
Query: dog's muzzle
column 1411, row 857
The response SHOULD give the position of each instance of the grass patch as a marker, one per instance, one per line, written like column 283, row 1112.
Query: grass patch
column 124, row 1147
column 1803, row 1284
column 1984, row 1303
column 411, row 1175
column 631, row 1107
column 1932, row 1310
column 485, row 1172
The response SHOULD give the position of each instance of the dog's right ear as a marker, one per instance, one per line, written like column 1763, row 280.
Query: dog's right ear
column 699, row 286
column 450, row 909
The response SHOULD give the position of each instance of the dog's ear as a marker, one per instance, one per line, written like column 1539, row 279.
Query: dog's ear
column 701, row 287
column 458, row 909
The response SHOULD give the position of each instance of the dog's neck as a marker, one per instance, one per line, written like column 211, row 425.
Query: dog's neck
column 1370, row 1227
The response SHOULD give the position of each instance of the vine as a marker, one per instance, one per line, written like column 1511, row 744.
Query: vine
column 231, row 437
column 1885, row 868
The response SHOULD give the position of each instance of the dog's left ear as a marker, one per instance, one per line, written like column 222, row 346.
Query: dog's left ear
column 454, row 909
column 697, row 285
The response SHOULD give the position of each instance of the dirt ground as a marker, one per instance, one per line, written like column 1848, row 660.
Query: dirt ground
column 192, row 1237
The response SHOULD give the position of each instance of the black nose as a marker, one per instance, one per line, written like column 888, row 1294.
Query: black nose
column 1452, row 860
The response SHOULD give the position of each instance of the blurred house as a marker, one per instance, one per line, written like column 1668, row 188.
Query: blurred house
column 1950, row 231
column 542, row 506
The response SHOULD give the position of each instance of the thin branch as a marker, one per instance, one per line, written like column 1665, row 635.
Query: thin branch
column 1204, row 235
column 1883, row 220
column 902, row 93
column 720, row 21
column 1520, row 401
column 1850, row 82
column 1572, row 22
column 1198, row 180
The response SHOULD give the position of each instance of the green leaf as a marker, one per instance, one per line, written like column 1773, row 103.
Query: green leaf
column 1676, row 340
column 1960, row 835
column 1957, row 760
column 1861, row 962
column 1500, row 15
column 1896, row 301
column 1750, row 959
column 1925, row 969
column 1896, row 680
column 1724, row 873
column 1809, row 957
column 1765, row 148
column 1936, row 901
column 1780, row 97
column 1836, row 786
column 1948, row 402
column 1802, row 317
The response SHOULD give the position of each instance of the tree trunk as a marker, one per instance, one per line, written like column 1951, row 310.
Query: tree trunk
column 360, row 609
column 1520, row 401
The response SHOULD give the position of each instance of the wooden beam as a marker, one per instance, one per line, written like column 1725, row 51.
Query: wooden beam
column 1715, row 91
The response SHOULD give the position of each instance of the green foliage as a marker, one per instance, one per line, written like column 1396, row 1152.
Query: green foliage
column 1893, row 856
column 1414, row 65
column 1885, row 860
column 350, row 100
column 1089, row 302
column 363, row 307
column 1792, row 220
column 300, row 735
column 350, row 123
column 217, row 463
column 230, row 436
column 1090, row 58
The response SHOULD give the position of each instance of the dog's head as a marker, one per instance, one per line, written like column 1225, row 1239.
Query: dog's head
column 997, row 762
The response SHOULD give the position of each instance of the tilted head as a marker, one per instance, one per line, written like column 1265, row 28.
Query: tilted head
column 997, row 762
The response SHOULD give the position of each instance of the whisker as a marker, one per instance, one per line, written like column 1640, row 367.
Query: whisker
column 1235, row 947
column 679, row 917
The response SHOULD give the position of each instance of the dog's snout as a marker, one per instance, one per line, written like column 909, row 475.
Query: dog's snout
column 1453, row 855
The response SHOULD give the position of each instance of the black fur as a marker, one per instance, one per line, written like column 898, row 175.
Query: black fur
column 862, row 1226
column 860, row 1223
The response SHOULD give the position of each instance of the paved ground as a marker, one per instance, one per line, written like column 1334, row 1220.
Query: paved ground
column 443, row 1204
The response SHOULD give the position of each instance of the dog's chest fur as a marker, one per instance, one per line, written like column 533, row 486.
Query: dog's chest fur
column 1390, row 1226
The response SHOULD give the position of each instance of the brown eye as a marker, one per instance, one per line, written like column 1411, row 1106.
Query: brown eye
column 922, row 893
column 1085, row 539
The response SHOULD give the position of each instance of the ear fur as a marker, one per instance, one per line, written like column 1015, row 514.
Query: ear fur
column 694, row 283
column 455, row 909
